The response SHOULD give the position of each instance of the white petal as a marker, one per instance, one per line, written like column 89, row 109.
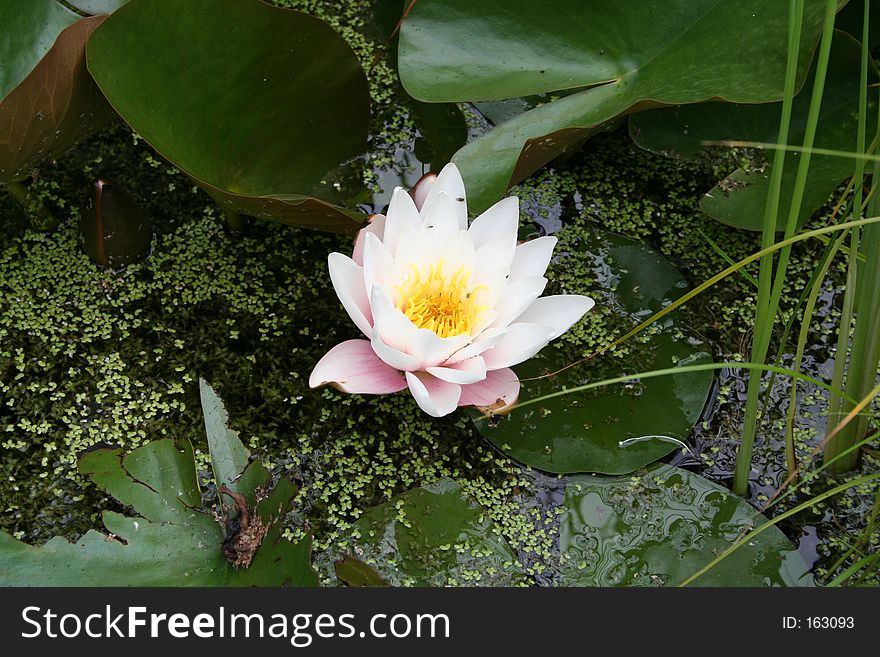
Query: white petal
column 348, row 281
column 378, row 263
column 498, row 391
column 501, row 219
column 413, row 250
column 449, row 182
column 521, row 342
column 485, row 340
column 377, row 227
column 439, row 221
column 402, row 212
column 467, row 371
column 457, row 251
column 532, row 258
column 518, row 295
column 396, row 329
column 391, row 356
column 437, row 398
column 352, row 366
column 560, row 311
column 496, row 254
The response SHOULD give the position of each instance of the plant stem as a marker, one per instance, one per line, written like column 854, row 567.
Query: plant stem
column 765, row 275
column 861, row 295
column 233, row 220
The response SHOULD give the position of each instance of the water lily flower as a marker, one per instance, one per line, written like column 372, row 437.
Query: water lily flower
column 446, row 308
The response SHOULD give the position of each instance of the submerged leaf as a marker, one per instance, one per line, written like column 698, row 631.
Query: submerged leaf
column 355, row 573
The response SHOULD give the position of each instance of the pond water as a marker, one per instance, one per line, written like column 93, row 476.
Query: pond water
column 90, row 357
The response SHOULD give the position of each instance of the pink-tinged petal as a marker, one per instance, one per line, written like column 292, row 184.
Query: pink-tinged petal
column 439, row 223
column 393, row 357
column 353, row 366
column 517, row 296
column 348, row 281
column 498, row 391
column 437, row 398
column 521, row 342
column 467, row 371
column 560, row 311
column 432, row 350
column 485, row 340
column 378, row 263
column 501, row 219
column 420, row 190
column 449, row 182
column 532, row 258
column 376, row 227
column 402, row 214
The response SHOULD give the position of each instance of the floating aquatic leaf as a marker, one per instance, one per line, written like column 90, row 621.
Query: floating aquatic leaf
column 48, row 100
column 629, row 55
column 261, row 106
column 434, row 536
column 739, row 199
column 661, row 526
column 171, row 542
column 582, row 432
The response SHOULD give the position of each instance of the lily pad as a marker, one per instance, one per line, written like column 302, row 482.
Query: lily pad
column 48, row 100
column 739, row 199
column 661, row 527
column 260, row 105
column 171, row 542
column 582, row 432
column 436, row 536
column 631, row 54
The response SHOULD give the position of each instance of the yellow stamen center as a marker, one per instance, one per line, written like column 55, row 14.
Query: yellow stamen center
column 440, row 303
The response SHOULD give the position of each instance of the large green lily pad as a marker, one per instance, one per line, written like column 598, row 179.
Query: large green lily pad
column 170, row 542
column 48, row 100
column 631, row 54
column 582, row 432
column 261, row 106
column 661, row 527
column 436, row 536
column 739, row 199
